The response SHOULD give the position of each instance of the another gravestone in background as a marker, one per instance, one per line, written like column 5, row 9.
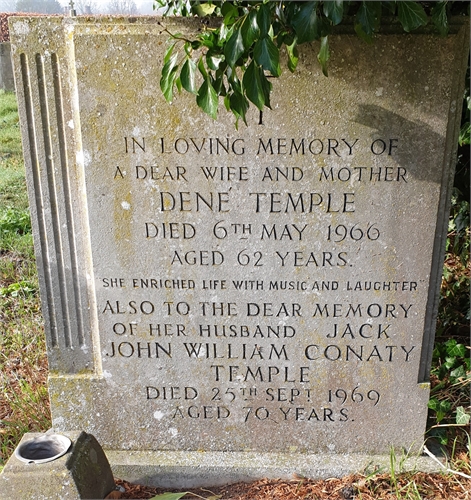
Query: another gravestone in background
column 268, row 292
column 6, row 69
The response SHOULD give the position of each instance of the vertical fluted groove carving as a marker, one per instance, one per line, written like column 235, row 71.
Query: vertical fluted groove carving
column 56, row 253
column 75, row 278
column 55, row 209
column 41, row 252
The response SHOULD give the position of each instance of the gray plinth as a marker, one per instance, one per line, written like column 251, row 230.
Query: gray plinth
column 83, row 472
column 175, row 470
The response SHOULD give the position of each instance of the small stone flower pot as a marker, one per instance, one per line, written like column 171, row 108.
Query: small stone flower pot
column 42, row 449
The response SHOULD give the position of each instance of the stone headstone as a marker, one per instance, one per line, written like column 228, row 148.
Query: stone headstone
column 6, row 69
column 250, row 299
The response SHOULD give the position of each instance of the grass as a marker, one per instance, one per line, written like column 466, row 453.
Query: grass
column 24, row 404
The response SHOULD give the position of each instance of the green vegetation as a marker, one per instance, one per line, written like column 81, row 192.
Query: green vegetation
column 451, row 370
column 236, row 59
column 449, row 404
column 24, row 405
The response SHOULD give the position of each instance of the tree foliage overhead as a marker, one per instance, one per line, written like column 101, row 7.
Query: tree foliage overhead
column 236, row 59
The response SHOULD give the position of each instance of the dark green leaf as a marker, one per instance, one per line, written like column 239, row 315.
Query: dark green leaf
column 308, row 24
column 450, row 362
column 207, row 99
column 267, row 55
column 462, row 418
column 201, row 68
column 208, row 39
column 458, row 372
column 411, row 15
column 187, row 47
column 227, row 102
column 455, row 349
column 433, row 404
column 324, row 54
column 287, row 38
column 233, row 80
column 333, row 10
column 178, row 84
column 277, row 32
column 218, row 83
column 293, row 56
column 368, row 19
column 249, row 29
column 266, row 87
column 445, row 406
column 264, row 19
column 390, row 5
column 440, row 18
column 229, row 12
column 234, row 48
column 290, row 9
column 359, row 31
column 169, row 74
column 257, row 87
column 252, row 86
column 465, row 134
column 214, row 59
column 462, row 219
column 187, row 76
column 168, row 53
column 225, row 32
column 239, row 105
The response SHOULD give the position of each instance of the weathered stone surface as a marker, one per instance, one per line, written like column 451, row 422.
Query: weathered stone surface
column 186, row 469
column 267, row 289
column 83, row 472
column 6, row 69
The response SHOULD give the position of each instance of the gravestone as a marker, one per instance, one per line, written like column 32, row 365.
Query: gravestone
column 225, row 304
column 6, row 69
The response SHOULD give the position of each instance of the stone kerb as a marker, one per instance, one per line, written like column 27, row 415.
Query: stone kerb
column 261, row 293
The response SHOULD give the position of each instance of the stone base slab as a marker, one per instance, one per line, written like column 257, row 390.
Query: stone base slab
column 192, row 469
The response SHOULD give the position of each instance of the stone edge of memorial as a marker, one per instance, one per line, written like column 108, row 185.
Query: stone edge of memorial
column 183, row 469
column 441, row 230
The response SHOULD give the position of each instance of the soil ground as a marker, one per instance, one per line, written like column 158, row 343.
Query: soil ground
column 414, row 486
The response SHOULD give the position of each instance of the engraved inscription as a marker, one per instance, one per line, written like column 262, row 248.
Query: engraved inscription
column 268, row 349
